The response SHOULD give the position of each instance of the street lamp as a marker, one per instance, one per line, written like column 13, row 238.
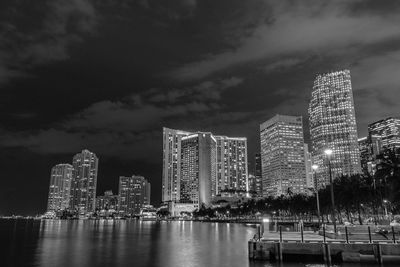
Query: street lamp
column 315, row 168
column 385, row 206
column 328, row 153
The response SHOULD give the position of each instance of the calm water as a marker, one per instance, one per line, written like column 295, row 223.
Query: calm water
column 126, row 243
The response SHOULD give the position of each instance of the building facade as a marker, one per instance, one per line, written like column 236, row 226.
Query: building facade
column 60, row 187
column 364, row 146
column 387, row 131
column 229, row 158
column 333, row 126
column 309, row 172
column 282, row 156
column 134, row 193
column 84, row 182
column 171, row 164
column 198, row 168
column 258, row 175
column 232, row 167
column 108, row 201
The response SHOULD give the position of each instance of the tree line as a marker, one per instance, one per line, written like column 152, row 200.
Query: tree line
column 357, row 197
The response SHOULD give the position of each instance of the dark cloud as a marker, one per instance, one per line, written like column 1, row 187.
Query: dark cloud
column 41, row 32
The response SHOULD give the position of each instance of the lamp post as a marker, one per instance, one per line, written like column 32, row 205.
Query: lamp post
column 385, row 202
column 315, row 168
column 328, row 153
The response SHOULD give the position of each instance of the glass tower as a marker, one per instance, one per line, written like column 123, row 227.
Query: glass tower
column 232, row 167
column 333, row 125
column 282, row 156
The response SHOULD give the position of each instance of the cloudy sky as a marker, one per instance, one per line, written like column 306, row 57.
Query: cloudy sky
column 107, row 75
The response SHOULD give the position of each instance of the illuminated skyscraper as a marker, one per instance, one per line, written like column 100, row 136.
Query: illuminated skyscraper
column 333, row 125
column 229, row 158
column 282, row 156
column 232, row 168
column 171, row 164
column 198, row 168
column 84, row 182
column 60, row 187
column 134, row 193
column 388, row 131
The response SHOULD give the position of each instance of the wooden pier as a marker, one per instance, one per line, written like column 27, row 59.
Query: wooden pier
column 311, row 246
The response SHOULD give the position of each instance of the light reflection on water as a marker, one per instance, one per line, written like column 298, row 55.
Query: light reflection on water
column 127, row 243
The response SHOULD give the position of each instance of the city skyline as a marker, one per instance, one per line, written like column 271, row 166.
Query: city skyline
column 94, row 75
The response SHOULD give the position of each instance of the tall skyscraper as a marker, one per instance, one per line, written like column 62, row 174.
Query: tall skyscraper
column 198, row 168
column 232, row 167
column 258, row 174
column 388, row 130
column 333, row 125
column 134, row 193
column 84, row 182
column 171, row 164
column 230, row 159
column 282, row 156
column 60, row 187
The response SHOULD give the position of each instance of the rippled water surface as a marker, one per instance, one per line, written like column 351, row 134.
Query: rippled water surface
column 126, row 243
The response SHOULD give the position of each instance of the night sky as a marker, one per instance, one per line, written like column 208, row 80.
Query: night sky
column 107, row 75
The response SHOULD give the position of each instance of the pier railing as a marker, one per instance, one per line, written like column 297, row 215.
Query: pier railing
column 349, row 244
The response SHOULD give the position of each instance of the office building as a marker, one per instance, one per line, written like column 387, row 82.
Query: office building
column 171, row 164
column 198, row 168
column 333, row 126
column 134, row 193
column 364, row 146
column 232, row 167
column 387, row 131
column 282, row 156
column 84, row 182
column 60, row 187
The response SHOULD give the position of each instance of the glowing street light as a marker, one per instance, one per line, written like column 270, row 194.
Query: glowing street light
column 329, row 152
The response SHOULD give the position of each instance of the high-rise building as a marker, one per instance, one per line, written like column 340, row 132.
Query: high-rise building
column 108, row 201
column 258, row 174
column 333, row 126
column 309, row 172
column 60, row 187
column 364, row 146
column 230, row 159
column 282, row 156
column 171, row 164
column 232, row 167
column 388, row 131
column 198, row 168
column 134, row 193
column 84, row 182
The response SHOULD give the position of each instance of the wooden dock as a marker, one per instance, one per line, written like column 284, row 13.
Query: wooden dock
column 307, row 245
